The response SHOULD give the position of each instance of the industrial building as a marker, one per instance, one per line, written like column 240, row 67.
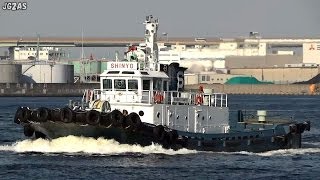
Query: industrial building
column 209, row 60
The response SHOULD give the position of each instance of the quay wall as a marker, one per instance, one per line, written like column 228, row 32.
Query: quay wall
column 289, row 89
column 53, row 89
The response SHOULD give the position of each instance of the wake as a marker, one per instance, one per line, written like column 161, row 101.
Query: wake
column 280, row 152
column 76, row 145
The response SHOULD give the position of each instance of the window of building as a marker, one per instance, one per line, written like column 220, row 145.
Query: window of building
column 146, row 85
column 132, row 85
column 107, row 84
column 120, row 84
column 203, row 78
column 208, row 78
column 254, row 45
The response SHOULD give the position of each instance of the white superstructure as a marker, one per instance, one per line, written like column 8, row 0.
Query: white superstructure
column 154, row 92
column 45, row 53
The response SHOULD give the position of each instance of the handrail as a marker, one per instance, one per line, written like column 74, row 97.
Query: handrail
column 164, row 97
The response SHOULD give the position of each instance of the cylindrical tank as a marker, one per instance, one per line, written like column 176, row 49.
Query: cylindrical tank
column 103, row 66
column 262, row 115
column 10, row 73
column 87, row 67
column 47, row 73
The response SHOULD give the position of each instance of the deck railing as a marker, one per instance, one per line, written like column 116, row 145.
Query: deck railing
column 162, row 97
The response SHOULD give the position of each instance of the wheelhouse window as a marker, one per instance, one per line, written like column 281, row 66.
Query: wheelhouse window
column 107, row 84
column 157, row 84
column 165, row 85
column 132, row 85
column 120, row 84
column 113, row 72
column 146, row 85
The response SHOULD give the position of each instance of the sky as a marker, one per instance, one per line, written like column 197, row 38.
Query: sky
column 178, row 18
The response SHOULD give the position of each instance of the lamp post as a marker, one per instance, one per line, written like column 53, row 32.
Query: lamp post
column 166, row 35
column 18, row 45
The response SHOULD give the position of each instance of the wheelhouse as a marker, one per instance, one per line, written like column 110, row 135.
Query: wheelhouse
column 124, row 82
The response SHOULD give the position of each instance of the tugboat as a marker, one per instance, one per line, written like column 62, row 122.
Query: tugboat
column 143, row 102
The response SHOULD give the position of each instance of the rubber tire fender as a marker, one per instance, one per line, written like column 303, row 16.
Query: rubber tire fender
column 67, row 115
column 158, row 131
column 34, row 116
column 56, row 114
column 81, row 116
column 93, row 117
column 173, row 136
column 133, row 119
column 105, row 119
column 116, row 118
column 42, row 114
column 28, row 130
column 22, row 115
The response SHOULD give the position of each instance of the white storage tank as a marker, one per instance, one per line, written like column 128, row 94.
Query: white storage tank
column 42, row 72
column 10, row 73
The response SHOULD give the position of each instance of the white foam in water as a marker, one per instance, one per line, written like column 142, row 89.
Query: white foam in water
column 290, row 152
column 73, row 144
column 282, row 152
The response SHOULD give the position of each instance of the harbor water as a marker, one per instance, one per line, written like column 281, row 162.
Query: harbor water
column 86, row 158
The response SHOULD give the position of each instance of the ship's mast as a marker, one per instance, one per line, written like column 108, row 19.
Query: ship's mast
column 151, row 25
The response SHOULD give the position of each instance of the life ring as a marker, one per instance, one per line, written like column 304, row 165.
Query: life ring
column 133, row 120
column 199, row 99
column 102, row 106
column 158, row 97
column 42, row 114
column 22, row 115
column 116, row 118
column 93, row 117
column 67, row 115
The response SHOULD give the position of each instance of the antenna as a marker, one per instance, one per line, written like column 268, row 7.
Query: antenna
column 151, row 29
column 82, row 55
column 82, row 61
column 38, row 44
column 117, row 56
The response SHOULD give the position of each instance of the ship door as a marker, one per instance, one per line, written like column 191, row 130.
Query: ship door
column 197, row 114
column 170, row 116
column 146, row 95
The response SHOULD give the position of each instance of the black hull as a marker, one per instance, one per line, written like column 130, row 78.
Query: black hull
column 229, row 142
